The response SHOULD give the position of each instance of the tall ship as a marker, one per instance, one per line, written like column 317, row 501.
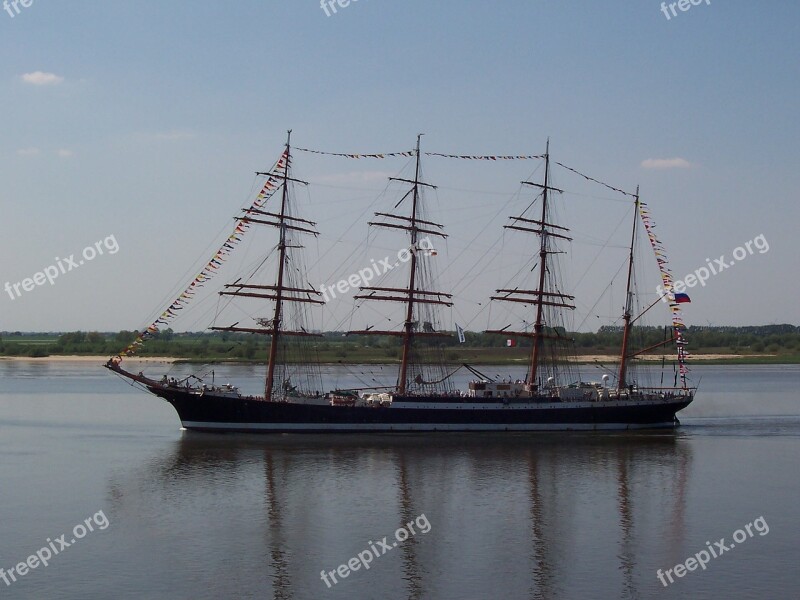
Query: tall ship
column 549, row 395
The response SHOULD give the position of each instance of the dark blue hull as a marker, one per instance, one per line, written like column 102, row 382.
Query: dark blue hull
column 408, row 414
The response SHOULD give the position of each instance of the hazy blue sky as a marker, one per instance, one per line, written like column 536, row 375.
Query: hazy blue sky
column 146, row 120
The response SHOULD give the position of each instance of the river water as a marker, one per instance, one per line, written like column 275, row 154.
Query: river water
column 150, row 511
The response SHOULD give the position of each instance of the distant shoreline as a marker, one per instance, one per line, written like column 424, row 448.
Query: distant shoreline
column 710, row 359
column 82, row 358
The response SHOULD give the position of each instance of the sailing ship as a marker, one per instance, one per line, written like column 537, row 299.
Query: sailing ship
column 548, row 397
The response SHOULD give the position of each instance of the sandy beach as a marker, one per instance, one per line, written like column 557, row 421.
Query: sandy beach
column 88, row 359
column 670, row 357
column 586, row 358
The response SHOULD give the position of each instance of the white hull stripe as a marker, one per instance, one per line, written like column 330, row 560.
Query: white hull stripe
column 571, row 405
column 404, row 427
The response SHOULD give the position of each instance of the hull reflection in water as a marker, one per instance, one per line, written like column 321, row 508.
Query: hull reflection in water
column 541, row 516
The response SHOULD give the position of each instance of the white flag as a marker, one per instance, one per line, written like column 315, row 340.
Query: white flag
column 461, row 338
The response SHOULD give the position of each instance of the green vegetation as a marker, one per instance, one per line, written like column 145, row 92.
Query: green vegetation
column 770, row 344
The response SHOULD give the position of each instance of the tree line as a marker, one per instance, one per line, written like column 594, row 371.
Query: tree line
column 781, row 339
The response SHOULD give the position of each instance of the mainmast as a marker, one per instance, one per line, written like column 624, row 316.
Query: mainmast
column 623, row 359
column 276, row 319
column 537, row 328
column 278, row 292
column 540, row 297
column 412, row 278
column 411, row 296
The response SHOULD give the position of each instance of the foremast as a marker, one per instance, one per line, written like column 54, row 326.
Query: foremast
column 280, row 292
column 412, row 296
column 626, row 331
column 540, row 297
column 629, row 320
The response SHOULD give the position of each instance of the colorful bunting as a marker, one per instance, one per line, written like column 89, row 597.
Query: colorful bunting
column 358, row 156
column 413, row 153
column 381, row 155
column 488, row 157
column 611, row 187
column 211, row 267
column 674, row 299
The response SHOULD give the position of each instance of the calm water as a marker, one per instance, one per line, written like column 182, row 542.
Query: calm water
column 511, row 516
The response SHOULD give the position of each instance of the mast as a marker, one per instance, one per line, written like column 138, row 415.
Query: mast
column 623, row 359
column 538, row 297
column 410, row 295
column 412, row 278
column 280, row 293
column 276, row 319
column 537, row 328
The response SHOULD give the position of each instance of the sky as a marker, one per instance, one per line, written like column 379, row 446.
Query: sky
column 139, row 125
